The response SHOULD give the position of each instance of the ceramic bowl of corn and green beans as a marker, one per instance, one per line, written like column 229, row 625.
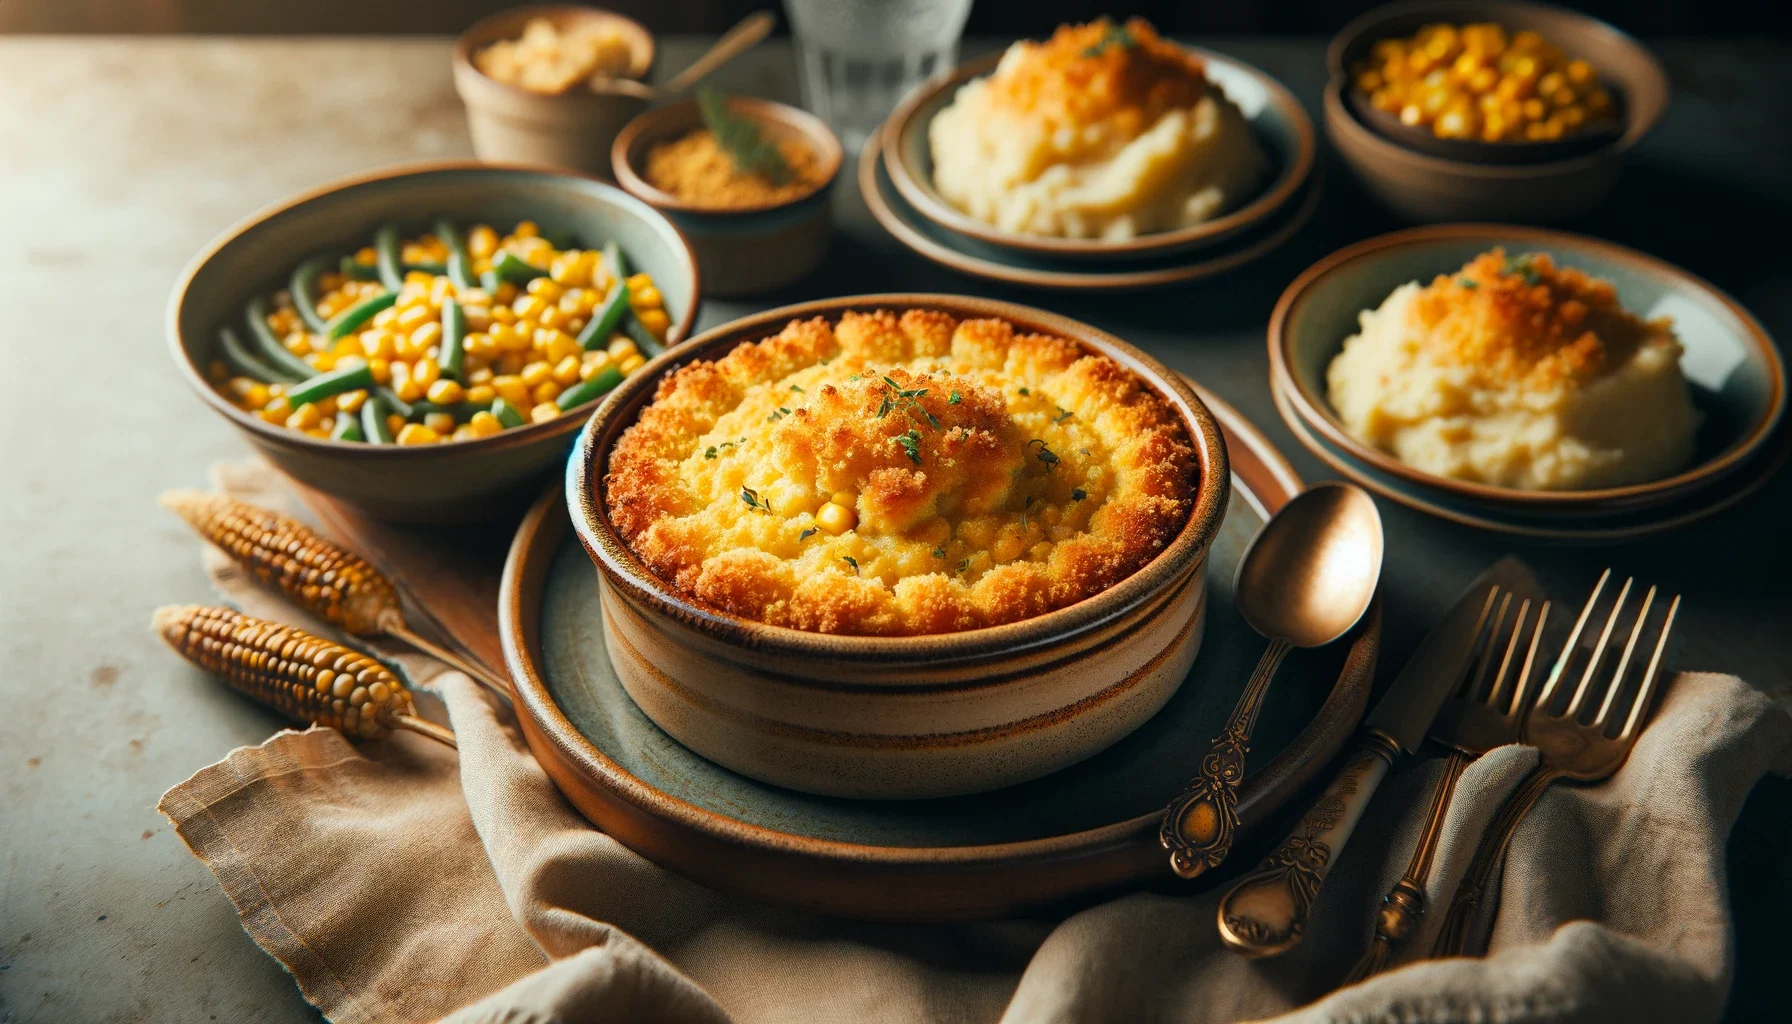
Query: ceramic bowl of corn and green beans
column 448, row 336
column 438, row 354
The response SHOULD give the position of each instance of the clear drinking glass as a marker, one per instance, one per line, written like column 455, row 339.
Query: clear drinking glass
column 859, row 57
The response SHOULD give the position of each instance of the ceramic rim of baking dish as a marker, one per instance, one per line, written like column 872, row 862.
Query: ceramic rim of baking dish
column 624, row 570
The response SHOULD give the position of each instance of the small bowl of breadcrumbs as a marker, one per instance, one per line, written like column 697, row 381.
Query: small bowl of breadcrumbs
column 747, row 180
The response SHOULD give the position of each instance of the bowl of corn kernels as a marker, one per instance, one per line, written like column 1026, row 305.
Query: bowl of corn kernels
column 1469, row 110
column 423, row 343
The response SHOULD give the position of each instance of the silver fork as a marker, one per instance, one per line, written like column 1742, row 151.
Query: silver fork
column 1571, row 749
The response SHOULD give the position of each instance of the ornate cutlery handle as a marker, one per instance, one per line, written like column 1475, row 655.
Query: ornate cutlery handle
column 1265, row 912
column 1199, row 826
column 1404, row 905
column 1454, row 937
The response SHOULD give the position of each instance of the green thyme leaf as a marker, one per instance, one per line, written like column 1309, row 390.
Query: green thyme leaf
column 1026, row 392
column 911, row 444
column 740, row 138
column 964, row 564
column 1078, row 494
column 849, row 560
column 939, row 552
column 955, row 399
column 806, row 534
column 710, row 452
column 1468, row 282
column 1063, row 414
column 798, row 389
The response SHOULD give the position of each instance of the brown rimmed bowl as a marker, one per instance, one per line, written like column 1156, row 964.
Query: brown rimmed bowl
column 1427, row 185
column 1733, row 367
column 916, row 716
column 571, row 130
column 742, row 250
column 1278, row 120
column 456, row 481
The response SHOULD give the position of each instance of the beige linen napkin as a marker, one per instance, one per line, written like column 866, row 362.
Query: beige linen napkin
column 399, row 883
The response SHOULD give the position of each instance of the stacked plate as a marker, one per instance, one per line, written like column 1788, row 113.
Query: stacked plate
column 896, row 177
column 1737, row 380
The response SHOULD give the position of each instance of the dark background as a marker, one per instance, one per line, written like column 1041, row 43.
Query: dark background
column 988, row 17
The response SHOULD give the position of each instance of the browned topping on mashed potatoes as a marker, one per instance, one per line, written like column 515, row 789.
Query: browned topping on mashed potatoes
column 900, row 474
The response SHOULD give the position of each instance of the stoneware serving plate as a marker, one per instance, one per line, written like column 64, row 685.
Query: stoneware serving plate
column 1737, row 377
column 454, row 482
column 1595, row 527
column 1013, row 266
column 744, row 250
column 1087, row 828
column 909, row 716
column 1277, row 119
column 1427, row 186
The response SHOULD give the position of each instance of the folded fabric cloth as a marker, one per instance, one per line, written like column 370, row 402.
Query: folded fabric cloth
column 397, row 882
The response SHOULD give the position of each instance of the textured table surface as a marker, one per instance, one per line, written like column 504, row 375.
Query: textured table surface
column 123, row 157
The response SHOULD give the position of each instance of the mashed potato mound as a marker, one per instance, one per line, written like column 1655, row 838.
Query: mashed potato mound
column 900, row 475
column 1515, row 373
column 1103, row 131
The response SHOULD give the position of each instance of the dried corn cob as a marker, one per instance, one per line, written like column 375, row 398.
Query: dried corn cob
column 312, row 570
column 287, row 554
column 302, row 676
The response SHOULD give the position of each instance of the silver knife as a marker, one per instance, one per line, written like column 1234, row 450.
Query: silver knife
column 1265, row 912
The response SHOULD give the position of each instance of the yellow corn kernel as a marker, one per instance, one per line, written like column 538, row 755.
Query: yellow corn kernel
column 382, row 370
column 512, row 389
column 440, row 290
column 655, row 320
column 509, row 362
column 566, row 371
column 394, row 423
column 463, row 433
column 385, row 318
column 323, row 361
column 447, row 392
column 505, row 294
column 546, row 391
column 482, row 242
column 536, row 372
column 298, row 343
column 526, row 229
column 484, row 424
column 545, row 289
column 621, row 346
column 592, row 363
column 327, row 406
column 414, row 317
column 404, row 384
column 836, row 519
column 630, row 363
column 417, row 433
column 426, row 372
column 559, row 344
column 481, row 345
column 528, row 307
column 305, row 417
column 440, row 422
column 481, row 394
column 478, row 374
column 550, row 317
column 636, row 282
column 543, row 412
column 351, row 401
column 570, row 269
column 502, row 314
column 277, row 410
column 349, row 346
column 423, row 337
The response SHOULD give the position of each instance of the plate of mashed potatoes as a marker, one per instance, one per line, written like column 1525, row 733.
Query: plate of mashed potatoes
column 1525, row 370
column 1103, row 141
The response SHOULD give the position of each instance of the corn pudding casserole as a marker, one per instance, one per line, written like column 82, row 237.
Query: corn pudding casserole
column 551, row 60
column 900, row 474
column 1104, row 131
column 1516, row 373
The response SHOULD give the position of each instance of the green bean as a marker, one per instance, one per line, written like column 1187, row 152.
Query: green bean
column 395, row 403
column 461, row 411
column 589, row 390
column 513, row 268
column 429, row 267
column 355, row 270
column 304, row 291
column 273, row 352
column 245, row 362
column 373, row 419
column 603, row 322
column 348, row 428
column 385, row 243
column 454, row 336
column 460, row 265
column 644, row 340
column 508, row 414
column 335, row 382
column 358, row 314
column 615, row 262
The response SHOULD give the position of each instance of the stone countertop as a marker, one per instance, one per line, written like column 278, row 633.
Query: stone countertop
column 124, row 157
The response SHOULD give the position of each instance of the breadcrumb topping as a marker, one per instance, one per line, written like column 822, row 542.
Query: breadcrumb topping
column 1124, row 75
column 1523, row 320
column 900, row 474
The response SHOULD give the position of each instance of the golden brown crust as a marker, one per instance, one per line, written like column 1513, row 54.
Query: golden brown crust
column 990, row 475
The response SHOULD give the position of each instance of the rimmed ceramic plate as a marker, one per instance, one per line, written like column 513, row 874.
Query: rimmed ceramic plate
column 1277, row 119
column 996, row 263
column 1737, row 378
column 1565, row 527
column 1090, row 827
